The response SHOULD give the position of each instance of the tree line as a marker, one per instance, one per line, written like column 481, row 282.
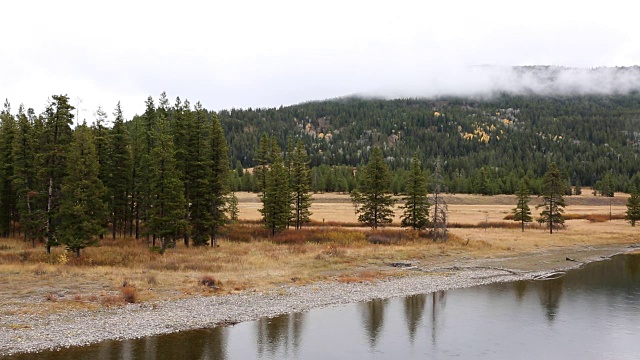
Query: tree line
column 162, row 175
column 485, row 145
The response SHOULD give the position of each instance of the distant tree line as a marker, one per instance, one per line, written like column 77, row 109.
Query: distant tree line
column 486, row 146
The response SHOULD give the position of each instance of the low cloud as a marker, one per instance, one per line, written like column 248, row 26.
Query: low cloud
column 521, row 80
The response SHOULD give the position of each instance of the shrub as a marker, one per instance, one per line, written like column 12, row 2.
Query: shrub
column 385, row 237
column 210, row 281
column 129, row 294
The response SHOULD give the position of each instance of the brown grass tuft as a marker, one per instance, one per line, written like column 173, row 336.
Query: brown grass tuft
column 152, row 280
column 589, row 217
column 210, row 281
column 129, row 294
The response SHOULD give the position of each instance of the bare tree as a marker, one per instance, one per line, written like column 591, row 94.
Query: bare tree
column 440, row 208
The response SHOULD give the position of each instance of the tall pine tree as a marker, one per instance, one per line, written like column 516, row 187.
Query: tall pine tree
column 82, row 211
column 522, row 212
column 553, row 188
column 633, row 206
column 8, row 209
column 57, row 137
column 199, row 177
column 167, row 212
column 416, row 202
column 118, row 166
column 300, row 183
column 276, row 199
column 219, row 185
column 373, row 194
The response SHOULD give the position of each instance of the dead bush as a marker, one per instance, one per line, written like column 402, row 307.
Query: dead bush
column 386, row 237
column 210, row 281
column 129, row 294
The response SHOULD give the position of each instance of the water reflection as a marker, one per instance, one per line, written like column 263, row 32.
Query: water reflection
column 438, row 303
column 550, row 292
column 413, row 309
column 632, row 264
column 520, row 288
column 199, row 344
column 372, row 314
column 279, row 335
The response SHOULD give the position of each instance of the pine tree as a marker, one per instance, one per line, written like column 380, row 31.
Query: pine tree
column 101, row 140
column 276, row 206
column 376, row 207
column 167, row 211
column 82, row 211
column 233, row 209
column 262, row 162
column 416, row 202
column 137, row 156
column 522, row 212
column 219, row 183
column 118, row 173
column 189, row 147
column 553, row 188
column 300, row 183
column 633, row 206
column 101, row 136
column 199, row 173
column 143, row 171
column 8, row 210
column 57, row 137
column 30, row 175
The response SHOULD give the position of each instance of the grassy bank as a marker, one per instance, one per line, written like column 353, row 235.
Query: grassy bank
column 248, row 259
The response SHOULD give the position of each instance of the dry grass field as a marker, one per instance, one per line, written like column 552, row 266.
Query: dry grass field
column 248, row 259
column 463, row 208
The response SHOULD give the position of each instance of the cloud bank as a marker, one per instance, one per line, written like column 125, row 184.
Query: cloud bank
column 520, row 80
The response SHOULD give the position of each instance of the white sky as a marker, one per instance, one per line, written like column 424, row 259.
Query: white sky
column 269, row 53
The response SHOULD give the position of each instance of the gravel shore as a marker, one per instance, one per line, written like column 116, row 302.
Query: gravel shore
column 33, row 333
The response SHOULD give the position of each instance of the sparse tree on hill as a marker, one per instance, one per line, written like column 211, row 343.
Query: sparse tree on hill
column 416, row 203
column 633, row 206
column 553, row 202
column 373, row 195
column 522, row 212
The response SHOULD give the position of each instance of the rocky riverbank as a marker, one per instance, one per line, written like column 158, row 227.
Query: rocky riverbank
column 22, row 333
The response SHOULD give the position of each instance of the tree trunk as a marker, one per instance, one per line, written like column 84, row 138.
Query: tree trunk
column 49, row 216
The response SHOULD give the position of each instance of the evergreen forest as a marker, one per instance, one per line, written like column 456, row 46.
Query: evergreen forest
column 486, row 145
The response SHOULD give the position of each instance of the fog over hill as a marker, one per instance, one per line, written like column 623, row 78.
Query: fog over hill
column 487, row 80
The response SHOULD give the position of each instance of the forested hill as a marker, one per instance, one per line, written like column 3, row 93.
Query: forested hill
column 501, row 138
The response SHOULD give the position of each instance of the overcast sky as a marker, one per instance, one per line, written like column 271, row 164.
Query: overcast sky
column 270, row 53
